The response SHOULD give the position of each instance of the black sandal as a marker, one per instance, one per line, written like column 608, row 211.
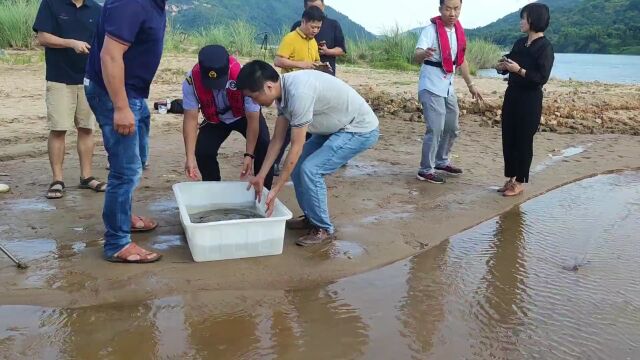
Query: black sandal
column 54, row 194
column 86, row 184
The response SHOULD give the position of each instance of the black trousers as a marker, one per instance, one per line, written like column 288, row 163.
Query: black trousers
column 521, row 112
column 210, row 138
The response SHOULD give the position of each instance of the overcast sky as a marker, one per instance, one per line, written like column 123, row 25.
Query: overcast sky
column 377, row 15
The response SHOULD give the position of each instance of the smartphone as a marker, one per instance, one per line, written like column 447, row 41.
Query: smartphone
column 324, row 67
column 322, row 43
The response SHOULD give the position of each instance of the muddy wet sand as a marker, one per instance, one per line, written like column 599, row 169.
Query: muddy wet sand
column 554, row 278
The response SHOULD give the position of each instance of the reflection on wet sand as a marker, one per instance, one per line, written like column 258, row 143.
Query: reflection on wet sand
column 503, row 293
column 421, row 310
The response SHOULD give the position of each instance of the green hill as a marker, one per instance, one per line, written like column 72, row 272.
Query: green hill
column 265, row 16
column 578, row 26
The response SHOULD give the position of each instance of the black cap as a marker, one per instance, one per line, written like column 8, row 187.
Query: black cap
column 214, row 66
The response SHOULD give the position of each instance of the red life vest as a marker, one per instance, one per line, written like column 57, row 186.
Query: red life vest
column 445, row 47
column 207, row 100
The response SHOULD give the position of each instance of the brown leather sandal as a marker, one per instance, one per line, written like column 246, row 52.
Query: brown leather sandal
column 100, row 186
column 142, row 224
column 134, row 254
column 56, row 190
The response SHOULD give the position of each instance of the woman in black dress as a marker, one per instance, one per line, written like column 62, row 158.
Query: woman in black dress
column 529, row 65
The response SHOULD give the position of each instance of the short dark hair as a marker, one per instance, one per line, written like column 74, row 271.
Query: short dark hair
column 306, row 2
column 441, row 2
column 254, row 74
column 537, row 15
column 313, row 13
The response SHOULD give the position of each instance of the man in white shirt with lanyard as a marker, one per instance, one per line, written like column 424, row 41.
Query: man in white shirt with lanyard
column 440, row 49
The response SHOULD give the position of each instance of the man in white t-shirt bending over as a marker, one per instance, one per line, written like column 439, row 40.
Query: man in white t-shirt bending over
column 440, row 49
column 342, row 125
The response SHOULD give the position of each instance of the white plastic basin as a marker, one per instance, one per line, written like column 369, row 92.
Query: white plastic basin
column 231, row 239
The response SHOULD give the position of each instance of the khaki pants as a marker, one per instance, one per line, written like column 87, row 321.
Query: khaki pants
column 67, row 107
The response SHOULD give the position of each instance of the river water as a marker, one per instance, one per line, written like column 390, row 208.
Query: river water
column 614, row 69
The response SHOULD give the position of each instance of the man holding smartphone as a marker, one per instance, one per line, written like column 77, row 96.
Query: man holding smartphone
column 330, row 38
column 441, row 49
column 298, row 49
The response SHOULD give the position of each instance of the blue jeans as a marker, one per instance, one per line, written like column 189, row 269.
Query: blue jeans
column 144, row 128
column 124, row 154
column 323, row 155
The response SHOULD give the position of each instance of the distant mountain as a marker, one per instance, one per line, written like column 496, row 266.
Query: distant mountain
column 578, row 26
column 265, row 16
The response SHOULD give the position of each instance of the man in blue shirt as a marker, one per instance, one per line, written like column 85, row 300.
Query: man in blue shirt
column 65, row 28
column 125, row 55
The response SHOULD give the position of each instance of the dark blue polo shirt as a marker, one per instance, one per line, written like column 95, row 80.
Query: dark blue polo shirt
column 331, row 32
column 139, row 24
column 65, row 20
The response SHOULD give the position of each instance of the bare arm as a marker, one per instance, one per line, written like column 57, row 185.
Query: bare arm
column 466, row 75
column 297, row 143
column 298, row 138
column 112, row 61
column 253, row 129
column 51, row 41
column 336, row 51
column 285, row 63
column 112, row 58
column 279, row 133
column 190, row 133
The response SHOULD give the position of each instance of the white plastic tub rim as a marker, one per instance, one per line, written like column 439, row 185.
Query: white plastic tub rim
column 281, row 212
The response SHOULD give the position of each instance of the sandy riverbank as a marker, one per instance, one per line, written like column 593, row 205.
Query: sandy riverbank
column 383, row 214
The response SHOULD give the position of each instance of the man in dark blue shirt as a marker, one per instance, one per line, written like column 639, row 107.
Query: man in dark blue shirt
column 125, row 55
column 64, row 28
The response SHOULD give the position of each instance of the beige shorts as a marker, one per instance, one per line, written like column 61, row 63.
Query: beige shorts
column 67, row 107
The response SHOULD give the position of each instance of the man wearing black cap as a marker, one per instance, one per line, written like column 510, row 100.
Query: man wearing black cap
column 210, row 88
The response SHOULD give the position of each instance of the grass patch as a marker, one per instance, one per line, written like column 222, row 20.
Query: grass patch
column 21, row 58
column 482, row 54
column 16, row 20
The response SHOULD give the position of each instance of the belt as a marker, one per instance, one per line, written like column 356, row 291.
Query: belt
column 436, row 64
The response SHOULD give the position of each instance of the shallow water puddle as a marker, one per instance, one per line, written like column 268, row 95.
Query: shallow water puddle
column 339, row 249
column 29, row 205
column 559, row 156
